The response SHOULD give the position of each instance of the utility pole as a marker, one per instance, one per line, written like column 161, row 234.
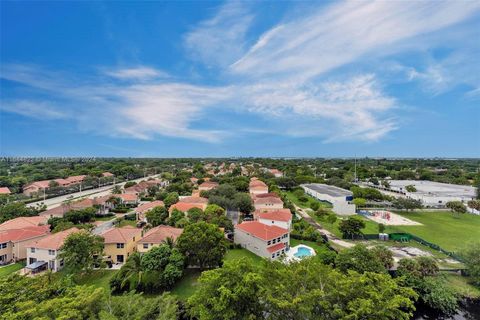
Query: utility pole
column 355, row 176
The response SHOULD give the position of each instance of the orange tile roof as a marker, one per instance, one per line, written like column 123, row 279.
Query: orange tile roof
column 266, row 195
column 260, row 230
column 53, row 241
column 15, row 235
column 149, row 205
column 75, row 179
column 121, row 235
column 208, row 184
column 107, row 174
column 278, row 215
column 23, row 222
column 4, row 190
column 257, row 184
column 126, row 196
column 160, row 233
column 273, row 200
column 197, row 200
column 276, row 247
column 184, row 207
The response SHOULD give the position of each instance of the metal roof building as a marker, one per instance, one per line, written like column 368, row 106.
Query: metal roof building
column 340, row 199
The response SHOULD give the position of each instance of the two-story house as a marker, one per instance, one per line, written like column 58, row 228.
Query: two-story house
column 156, row 236
column 120, row 243
column 268, row 241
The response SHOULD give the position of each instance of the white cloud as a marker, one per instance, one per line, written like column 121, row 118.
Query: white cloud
column 33, row 109
column 220, row 40
column 136, row 73
column 340, row 34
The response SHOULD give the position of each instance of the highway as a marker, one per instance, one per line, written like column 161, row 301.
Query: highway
column 90, row 193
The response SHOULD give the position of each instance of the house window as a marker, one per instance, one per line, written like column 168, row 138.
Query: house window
column 32, row 250
column 4, row 245
column 273, row 255
column 274, row 241
column 278, row 253
column 51, row 252
column 145, row 246
column 269, row 243
column 278, row 240
column 120, row 245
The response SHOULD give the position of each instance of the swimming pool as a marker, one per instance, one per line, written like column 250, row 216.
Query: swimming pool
column 303, row 252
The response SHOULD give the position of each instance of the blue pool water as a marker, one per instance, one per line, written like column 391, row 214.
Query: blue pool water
column 303, row 252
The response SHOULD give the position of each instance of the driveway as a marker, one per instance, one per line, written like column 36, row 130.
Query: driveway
column 233, row 215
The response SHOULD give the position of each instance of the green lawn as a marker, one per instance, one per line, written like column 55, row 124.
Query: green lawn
column 187, row 285
column 124, row 223
column 292, row 197
column 11, row 268
column 97, row 278
column 442, row 228
column 233, row 254
column 462, row 286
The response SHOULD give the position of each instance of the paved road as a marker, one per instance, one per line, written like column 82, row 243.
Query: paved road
column 106, row 225
column 91, row 193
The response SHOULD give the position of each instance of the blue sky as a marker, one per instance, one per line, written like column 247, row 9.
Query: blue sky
column 180, row 79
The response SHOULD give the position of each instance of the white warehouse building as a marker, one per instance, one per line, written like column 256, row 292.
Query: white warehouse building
column 340, row 199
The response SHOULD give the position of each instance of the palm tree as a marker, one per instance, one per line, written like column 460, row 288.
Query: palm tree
column 132, row 268
column 116, row 190
column 170, row 242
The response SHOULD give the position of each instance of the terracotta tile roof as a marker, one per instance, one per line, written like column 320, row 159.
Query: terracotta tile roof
column 39, row 184
column 121, row 235
column 273, row 200
column 276, row 247
column 184, row 207
column 260, row 230
column 266, row 195
column 208, row 184
column 149, row 205
column 23, row 222
column 63, row 182
column 53, row 241
column 15, row 235
column 126, row 196
column 76, row 179
column 160, row 233
column 4, row 190
column 107, row 174
column 277, row 215
column 257, row 184
column 197, row 200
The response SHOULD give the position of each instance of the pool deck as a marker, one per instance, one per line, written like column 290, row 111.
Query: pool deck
column 290, row 254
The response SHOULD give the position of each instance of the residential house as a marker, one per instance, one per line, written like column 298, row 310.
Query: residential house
column 120, row 243
column 268, row 203
column 207, row 186
column 155, row 237
column 141, row 210
column 5, row 190
column 24, row 222
column 75, row 179
column 194, row 200
column 276, row 173
column 13, row 242
column 184, row 207
column 128, row 199
column 281, row 218
column 107, row 174
column 102, row 204
column 36, row 187
column 48, row 250
column 257, row 186
column 268, row 241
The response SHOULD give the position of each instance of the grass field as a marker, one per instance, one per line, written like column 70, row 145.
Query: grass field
column 461, row 285
column 292, row 197
column 187, row 285
column 442, row 228
column 7, row 270
column 241, row 253
column 97, row 278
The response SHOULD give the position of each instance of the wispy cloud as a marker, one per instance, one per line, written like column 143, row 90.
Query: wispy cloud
column 33, row 109
column 136, row 73
column 284, row 78
column 220, row 40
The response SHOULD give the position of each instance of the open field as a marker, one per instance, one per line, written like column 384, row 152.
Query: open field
column 7, row 270
column 292, row 197
column 234, row 254
column 462, row 286
column 442, row 228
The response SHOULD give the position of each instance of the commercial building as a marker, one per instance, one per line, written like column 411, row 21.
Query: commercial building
column 267, row 241
column 339, row 198
column 433, row 194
